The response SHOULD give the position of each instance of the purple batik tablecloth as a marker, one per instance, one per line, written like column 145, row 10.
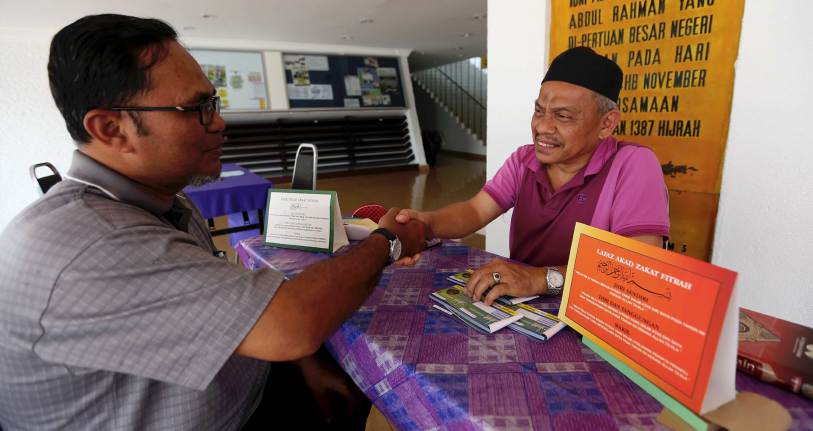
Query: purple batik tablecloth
column 426, row 370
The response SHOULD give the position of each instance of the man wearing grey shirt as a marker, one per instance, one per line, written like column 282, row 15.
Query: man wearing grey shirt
column 114, row 311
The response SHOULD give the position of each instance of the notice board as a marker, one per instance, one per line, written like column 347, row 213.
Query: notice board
column 678, row 62
column 238, row 77
column 342, row 81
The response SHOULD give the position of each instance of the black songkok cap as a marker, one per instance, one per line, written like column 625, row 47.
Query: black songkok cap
column 583, row 67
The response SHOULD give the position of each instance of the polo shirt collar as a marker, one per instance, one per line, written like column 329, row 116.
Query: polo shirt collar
column 86, row 170
column 605, row 151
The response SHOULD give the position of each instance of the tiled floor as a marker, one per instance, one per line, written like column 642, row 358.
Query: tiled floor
column 378, row 422
column 451, row 179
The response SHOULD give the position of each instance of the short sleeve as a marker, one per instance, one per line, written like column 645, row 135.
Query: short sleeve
column 504, row 187
column 640, row 200
column 148, row 301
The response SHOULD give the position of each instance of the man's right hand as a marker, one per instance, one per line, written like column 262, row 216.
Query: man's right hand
column 411, row 233
column 405, row 215
column 281, row 333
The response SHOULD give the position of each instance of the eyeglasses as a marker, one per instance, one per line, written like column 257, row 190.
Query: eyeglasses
column 206, row 109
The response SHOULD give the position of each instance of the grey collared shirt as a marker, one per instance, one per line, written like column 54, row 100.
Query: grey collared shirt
column 113, row 318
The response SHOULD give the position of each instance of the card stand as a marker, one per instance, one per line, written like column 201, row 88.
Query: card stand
column 748, row 411
column 309, row 220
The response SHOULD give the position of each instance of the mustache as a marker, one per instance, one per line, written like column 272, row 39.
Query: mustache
column 547, row 139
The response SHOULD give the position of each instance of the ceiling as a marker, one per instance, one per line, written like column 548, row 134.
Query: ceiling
column 437, row 31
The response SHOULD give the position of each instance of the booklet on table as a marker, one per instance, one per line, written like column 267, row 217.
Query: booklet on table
column 462, row 278
column 477, row 314
column 522, row 318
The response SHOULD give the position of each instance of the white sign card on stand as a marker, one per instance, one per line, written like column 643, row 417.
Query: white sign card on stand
column 304, row 219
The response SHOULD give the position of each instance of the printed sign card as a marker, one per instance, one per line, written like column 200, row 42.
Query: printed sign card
column 669, row 318
column 305, row 220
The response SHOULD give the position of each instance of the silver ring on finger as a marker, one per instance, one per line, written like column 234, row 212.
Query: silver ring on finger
column 496, row 277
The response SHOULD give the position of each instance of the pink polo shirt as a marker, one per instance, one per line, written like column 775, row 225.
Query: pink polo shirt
column 621, row 189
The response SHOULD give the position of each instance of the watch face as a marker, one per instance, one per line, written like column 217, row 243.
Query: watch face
column 395, row 249
column 555, row 279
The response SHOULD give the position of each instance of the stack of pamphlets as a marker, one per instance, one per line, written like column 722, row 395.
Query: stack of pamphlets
column 477, row 314
column 536, row 323
column 522, row 318
column 462, row 278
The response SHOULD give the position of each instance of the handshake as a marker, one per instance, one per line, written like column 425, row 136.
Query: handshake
column 411, row 229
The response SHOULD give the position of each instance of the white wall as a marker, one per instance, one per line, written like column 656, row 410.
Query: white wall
column 765, row 219
column 517, row 53
column 33, row 130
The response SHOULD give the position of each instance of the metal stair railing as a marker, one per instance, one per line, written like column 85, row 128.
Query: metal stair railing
column 461, row 88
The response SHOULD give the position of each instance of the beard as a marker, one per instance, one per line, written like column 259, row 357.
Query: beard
column 200, row 180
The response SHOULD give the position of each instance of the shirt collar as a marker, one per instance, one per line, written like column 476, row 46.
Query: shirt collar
column 605, row 150
column 86, row 170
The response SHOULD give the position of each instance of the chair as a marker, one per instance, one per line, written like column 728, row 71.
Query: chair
column 305, row 165
column 373, row 212
column 45, row 182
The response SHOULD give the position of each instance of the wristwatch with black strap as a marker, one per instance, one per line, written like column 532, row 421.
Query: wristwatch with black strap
column 395, row 243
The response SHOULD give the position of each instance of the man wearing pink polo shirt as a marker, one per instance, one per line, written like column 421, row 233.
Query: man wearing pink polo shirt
column 575, row 171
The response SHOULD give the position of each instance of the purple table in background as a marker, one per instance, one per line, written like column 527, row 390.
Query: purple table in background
column 232, row 196
column 426, row 370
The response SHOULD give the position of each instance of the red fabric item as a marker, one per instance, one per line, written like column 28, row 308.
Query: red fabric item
column 373, row 212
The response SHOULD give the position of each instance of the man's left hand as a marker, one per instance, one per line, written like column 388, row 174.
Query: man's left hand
column 335, row 394
column 515, row 280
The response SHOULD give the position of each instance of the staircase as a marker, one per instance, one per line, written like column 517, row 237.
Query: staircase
column 460, row 88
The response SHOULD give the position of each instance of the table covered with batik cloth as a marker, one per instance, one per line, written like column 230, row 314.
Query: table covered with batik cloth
column 426, row 370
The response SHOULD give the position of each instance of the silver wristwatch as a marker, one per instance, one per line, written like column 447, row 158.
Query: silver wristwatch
column 555, row 281
column 395, row 243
